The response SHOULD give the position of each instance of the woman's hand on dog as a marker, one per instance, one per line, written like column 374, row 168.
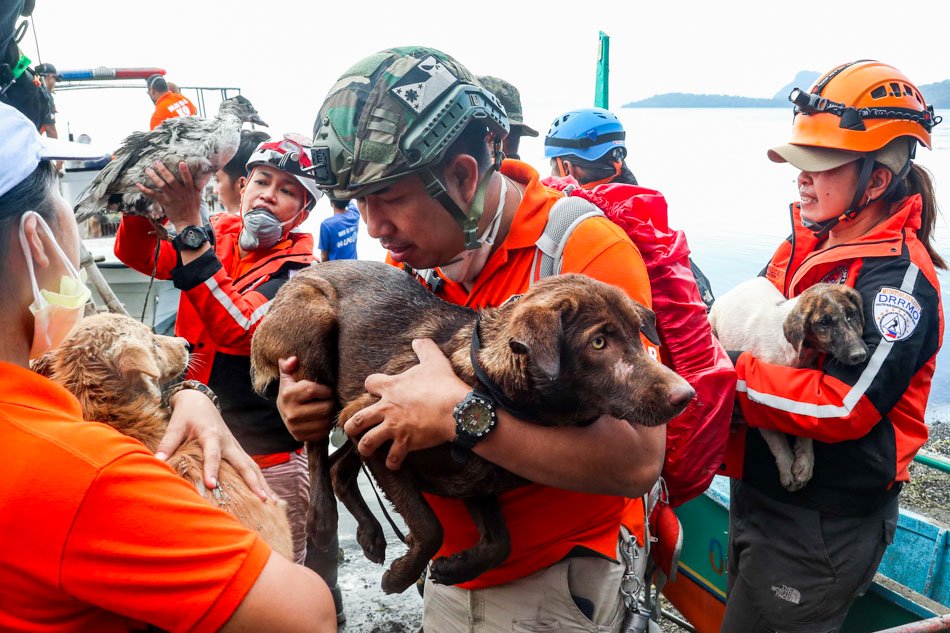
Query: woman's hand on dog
column 414, row 410
column 195, row 416
column 307, row 408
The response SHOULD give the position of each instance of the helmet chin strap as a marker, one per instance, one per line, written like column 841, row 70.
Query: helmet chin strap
column 468, row 222
column 618, row 166
column 821, row 229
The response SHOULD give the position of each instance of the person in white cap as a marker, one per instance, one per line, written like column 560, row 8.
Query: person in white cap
column 99, row 535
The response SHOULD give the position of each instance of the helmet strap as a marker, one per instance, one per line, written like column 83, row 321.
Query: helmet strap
column 821, row 229
column 618, row 166
column 468, row 222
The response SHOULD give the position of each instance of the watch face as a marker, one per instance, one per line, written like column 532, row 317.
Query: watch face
column 476, row 417
column 193, row 237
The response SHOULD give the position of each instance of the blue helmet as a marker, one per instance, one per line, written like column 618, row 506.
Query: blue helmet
column 588, row 134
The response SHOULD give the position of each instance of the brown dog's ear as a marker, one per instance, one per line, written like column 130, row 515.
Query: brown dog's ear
column 134, row 360
column 648, row 325
column 536, row 333
column 795, row 328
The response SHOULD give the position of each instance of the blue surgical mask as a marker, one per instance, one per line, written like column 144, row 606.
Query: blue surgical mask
column 55, row 313
column 262, row 230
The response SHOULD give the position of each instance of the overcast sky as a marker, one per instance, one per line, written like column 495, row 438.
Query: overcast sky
column 285, row 55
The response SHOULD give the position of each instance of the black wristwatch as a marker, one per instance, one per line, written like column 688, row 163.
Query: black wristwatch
column 475, row 418
column 191, row 238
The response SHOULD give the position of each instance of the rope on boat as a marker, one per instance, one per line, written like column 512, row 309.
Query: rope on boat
column 94, row 275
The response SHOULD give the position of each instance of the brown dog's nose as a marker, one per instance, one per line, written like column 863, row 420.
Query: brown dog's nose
column 681, row 394
column 857, row 356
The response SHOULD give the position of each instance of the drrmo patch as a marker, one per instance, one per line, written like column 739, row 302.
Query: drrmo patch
column 896, row 313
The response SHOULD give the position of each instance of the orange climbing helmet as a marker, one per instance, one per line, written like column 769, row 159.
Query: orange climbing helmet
column 860, row 107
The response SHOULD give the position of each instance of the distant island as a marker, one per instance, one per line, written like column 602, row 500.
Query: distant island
column 936, row 94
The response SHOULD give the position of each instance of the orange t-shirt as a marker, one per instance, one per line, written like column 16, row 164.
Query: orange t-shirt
column 98, row 535
column 546, row 523
column 170, row 105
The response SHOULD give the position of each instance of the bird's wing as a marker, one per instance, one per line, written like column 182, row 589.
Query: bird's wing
column 137, row 152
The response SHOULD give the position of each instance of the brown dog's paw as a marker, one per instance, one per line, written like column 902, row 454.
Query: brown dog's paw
column 461, row 567
column 396, row 583
column 373, row 542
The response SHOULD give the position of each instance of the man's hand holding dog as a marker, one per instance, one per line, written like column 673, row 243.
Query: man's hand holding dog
column 414, row 408
column 306, row 407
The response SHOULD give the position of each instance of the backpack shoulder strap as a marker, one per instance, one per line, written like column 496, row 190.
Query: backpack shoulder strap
column 563, row 218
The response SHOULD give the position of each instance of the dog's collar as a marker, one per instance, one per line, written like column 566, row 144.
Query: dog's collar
column 490, row 385
column 493, row 390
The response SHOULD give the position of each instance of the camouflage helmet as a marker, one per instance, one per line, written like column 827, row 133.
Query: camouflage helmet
column 396, row 113
column 509, row 97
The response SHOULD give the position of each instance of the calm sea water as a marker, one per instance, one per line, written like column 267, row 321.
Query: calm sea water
column 728, row 197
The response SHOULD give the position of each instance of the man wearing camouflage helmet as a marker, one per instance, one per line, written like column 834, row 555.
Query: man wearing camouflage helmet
column 510, row 98
column 414, row 137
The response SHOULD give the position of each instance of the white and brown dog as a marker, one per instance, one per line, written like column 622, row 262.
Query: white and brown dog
column 827, row 318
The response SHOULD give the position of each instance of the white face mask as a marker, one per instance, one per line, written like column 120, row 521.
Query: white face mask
column 55, row 314
column 467, row 265
column 262, row 230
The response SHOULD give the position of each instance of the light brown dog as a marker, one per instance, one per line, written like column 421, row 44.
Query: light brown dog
column 824, row 319
column 567, row 352
column 115, row 365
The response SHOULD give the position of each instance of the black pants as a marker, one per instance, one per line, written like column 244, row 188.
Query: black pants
column 326, row 565
column 795, row 570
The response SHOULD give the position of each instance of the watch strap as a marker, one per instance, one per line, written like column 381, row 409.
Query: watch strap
column 171, row 390
column 460, row 454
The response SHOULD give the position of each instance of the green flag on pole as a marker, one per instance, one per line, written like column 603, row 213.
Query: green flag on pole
column 602, row 89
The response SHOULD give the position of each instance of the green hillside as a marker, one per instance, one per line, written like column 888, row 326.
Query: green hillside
column 936, row 94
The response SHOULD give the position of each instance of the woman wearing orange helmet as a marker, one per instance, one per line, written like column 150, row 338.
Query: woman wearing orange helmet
column 865, row 218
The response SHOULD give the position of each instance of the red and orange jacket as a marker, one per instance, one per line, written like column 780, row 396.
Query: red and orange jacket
column 224, row 297
column 867, row 420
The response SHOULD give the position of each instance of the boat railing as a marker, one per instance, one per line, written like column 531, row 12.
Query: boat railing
column 933, row 460
column 199, row 95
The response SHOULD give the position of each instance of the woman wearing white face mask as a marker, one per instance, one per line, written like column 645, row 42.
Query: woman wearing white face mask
column 87, row 511
column 228, row 271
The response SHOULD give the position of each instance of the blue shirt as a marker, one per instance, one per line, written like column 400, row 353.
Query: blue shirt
column 338, row 234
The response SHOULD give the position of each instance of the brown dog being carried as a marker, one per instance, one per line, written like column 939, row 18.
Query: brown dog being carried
column 115, row 367
column 567, row 352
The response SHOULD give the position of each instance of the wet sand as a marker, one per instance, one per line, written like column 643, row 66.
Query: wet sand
column 368, row 609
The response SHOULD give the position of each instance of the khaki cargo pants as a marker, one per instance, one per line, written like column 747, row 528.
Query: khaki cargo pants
column 548, row 600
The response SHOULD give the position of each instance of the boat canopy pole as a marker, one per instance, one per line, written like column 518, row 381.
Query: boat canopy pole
column 601, row 87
